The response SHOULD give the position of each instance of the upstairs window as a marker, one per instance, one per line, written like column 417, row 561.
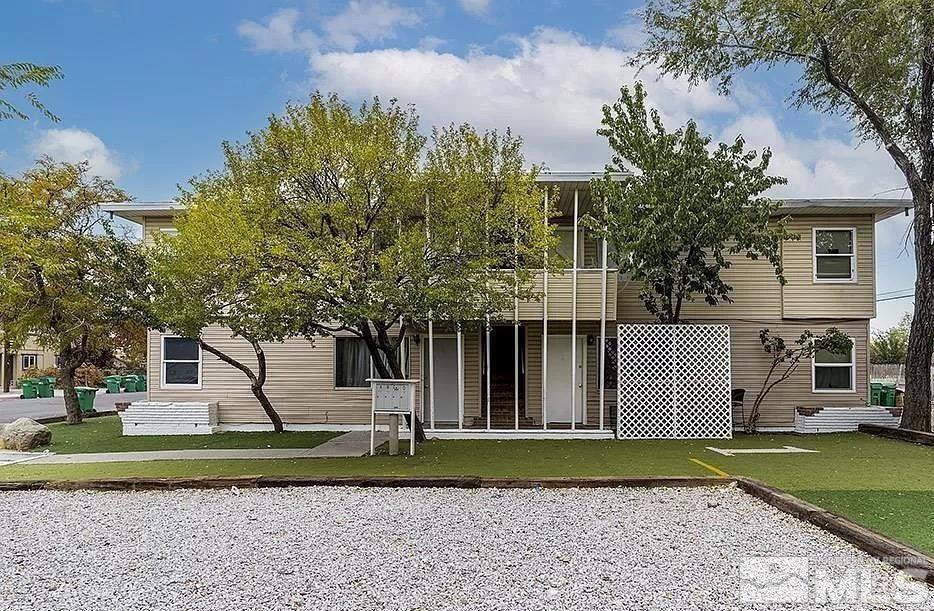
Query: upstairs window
column 181, row 363
column 834, row 255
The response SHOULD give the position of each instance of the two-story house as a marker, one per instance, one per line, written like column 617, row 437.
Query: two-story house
column 549, row 366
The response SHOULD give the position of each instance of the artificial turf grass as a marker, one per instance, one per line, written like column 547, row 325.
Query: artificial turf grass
column 105, row 434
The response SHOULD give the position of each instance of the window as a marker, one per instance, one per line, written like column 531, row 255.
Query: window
column 609, row 363
column 353, row 364
column 834, row 255
column 833, row 372
column 181, row 363
column 30, row 360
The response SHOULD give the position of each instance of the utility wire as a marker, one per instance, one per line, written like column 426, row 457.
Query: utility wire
column 896, row 297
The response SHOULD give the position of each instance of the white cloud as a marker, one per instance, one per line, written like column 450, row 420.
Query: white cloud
column 549, row 89
column 478, row 8
column 819, row 166
column 629, row 35
column 371, row 21
column 76, row 145
column 278, row 33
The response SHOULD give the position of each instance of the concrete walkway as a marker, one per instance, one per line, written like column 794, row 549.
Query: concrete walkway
column 348, row 445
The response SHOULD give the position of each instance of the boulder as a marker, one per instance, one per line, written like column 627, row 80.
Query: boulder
column 24, row 434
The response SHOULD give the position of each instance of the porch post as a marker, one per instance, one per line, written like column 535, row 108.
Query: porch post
column 488, row 372
column 431, row 372
column 602, row 348
column 460, row 377
column 431, row 326
column 545, row 329
column 515, row 312
column 574, row 322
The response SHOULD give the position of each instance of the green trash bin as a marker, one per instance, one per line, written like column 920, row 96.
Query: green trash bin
column 113, row 384
column 888, row 395
column 875, row 393
column 140, row 382
column 44, row 388
column 129, row 383
column 86, row 396
column 28, row 388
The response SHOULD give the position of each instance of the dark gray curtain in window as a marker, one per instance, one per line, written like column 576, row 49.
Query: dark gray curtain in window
column 353, row 362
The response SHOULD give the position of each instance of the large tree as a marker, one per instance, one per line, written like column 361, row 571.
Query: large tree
column 22, row 74
column 381, row 232
column 66, row 277
column 210, row 275
column 871, row 62
column 682, row 209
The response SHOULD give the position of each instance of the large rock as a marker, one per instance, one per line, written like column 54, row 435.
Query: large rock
column 24, row 434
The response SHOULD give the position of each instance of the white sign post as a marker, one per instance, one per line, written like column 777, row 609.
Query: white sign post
column 394, row 398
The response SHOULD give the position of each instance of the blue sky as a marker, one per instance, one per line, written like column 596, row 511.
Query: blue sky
column 152, row 88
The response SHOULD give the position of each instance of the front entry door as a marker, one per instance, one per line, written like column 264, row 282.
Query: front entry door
column 559, row 379
column 445, row 370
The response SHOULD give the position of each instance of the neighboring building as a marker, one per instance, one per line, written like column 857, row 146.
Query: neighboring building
column 481, row 385
column 13, row 364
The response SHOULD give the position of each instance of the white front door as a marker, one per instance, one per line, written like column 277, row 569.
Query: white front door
column 445, row 373
column 559, row 379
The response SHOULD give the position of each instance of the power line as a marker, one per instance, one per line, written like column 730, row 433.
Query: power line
column 894, row 298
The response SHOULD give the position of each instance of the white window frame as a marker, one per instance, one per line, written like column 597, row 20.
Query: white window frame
column 169, row 231
column 814, row 256
column 852, row 367
column 165, row 385
column 24, row 356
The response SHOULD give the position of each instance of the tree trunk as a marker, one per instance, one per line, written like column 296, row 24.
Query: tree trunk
column 67, row 380
column 916, row 414
column 382, row 353
column 5, row 363
column 257, row 380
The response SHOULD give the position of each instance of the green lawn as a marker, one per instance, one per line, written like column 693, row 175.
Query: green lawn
column 884, row 484
column 105, row 435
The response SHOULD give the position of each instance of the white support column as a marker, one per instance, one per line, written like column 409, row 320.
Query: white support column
column 574, row 323
column 488, row 372
column 602, row 347
column 431, row 327
column 545, row 328
column 431, row 372
column 515, row 314
column 460, row 377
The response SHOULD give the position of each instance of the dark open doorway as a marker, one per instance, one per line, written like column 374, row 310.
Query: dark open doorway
column 503, row 379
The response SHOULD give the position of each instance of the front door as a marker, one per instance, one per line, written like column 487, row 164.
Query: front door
column 445, row 374
column 559, row 379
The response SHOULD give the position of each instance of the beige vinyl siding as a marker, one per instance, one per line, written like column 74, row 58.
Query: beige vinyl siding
column 756, row 294
column 152, row 225
column 300, row 382
column 750, row 365
column 560, row 305
column 802, row 297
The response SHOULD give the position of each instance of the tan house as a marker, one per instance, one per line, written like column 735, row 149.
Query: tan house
column 549, row 367
column 17, row 361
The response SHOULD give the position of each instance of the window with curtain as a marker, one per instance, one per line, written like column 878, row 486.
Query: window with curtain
column 834, row 372
column 353, row 363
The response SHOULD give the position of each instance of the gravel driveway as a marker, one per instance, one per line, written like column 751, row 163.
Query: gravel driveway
column 352, row 548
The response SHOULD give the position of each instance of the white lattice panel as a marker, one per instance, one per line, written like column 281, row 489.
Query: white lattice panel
column 674, row 382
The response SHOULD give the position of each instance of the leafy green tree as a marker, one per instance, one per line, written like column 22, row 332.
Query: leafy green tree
column 381, row 233
column 22, row 74
column 675, row 221
column 66, row 278
column 210, row 274
column 871, row 62
column 890, row 346
column 785, row 358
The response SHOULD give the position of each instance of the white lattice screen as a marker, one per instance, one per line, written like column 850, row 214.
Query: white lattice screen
column 674, row 382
